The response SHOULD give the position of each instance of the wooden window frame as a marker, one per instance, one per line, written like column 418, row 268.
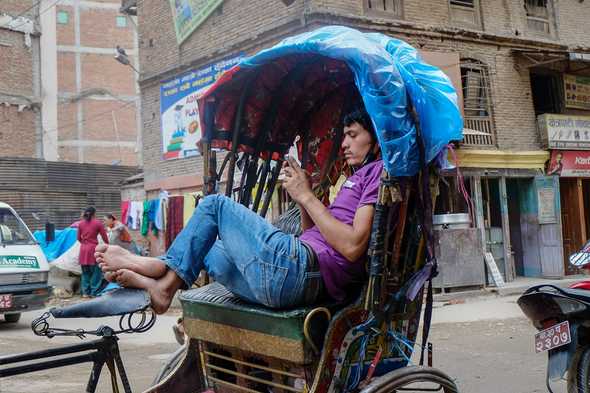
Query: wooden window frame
column 550, row 21
column 384, row 14
column 460, row 23
column 483, row 126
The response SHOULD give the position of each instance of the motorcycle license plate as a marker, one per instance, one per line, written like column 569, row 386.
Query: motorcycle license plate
column 553, row 337
column 5, row 301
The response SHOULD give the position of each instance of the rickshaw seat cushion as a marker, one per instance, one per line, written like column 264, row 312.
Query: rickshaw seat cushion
column 214, row 314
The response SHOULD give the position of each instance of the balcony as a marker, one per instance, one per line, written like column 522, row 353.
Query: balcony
column 478, row 131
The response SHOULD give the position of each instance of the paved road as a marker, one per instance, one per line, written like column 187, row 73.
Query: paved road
column 485, row 344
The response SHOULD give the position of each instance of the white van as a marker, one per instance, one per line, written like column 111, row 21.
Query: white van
column 23, row 267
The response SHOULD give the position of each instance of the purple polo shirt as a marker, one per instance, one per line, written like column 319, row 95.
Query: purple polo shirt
column 360, row 189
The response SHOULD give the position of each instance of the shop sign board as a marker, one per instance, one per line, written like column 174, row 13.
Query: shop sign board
column 546, row 199
column 569, row 163
column 577, row 91
column 179, row 113
column 567, row 132
column 190, row 14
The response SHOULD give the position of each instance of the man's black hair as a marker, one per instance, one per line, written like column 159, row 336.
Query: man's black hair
column 360, row 116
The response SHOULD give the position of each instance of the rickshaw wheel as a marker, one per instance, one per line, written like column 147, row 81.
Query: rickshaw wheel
column 410, row 379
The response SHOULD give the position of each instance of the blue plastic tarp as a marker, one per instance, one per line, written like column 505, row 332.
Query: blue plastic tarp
column 64, row 240
column 386, row 72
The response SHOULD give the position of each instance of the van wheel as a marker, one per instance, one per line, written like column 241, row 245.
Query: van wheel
column 12, row 318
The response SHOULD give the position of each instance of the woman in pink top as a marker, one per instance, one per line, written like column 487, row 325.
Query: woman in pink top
column 88, row 230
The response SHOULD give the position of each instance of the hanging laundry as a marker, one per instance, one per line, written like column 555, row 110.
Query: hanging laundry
column 124, row 211
column 174, row 223
column 152, row 214
column 145, row 219
column 160, row 211
column 135, row 214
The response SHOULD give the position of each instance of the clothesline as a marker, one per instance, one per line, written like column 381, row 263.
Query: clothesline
column 164, row 213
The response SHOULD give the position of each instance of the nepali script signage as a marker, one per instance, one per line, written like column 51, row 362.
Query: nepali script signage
column 179, row 112
column 569, row 163
column 565, row 132
column 577, row 91
column 190, row 14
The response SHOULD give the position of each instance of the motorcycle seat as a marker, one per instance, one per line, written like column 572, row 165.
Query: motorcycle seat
column 118, row 302
column 578, row 294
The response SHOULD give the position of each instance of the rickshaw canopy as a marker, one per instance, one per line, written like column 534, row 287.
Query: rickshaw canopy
column 270, row 94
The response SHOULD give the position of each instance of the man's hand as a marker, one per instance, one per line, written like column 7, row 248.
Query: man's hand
column 297, row 182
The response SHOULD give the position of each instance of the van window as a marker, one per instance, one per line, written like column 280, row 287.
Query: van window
column 13, row 230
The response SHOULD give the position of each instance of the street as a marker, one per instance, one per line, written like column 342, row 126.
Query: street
column 143, row 355
column 487, row 345
column 484, row 343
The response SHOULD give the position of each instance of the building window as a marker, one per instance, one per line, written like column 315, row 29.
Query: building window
column 477, row 103
column 465, row 13
column 387, row 8
column 63, row 17
column 121, row 21
column 538, row 16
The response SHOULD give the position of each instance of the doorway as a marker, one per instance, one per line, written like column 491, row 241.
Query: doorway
column 515, row 223
column 492, row 218
column 575, row 204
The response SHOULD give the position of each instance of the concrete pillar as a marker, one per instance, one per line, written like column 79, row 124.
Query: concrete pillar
column 49, row 80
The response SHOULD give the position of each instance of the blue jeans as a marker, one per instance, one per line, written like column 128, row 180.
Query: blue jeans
column 243, row 252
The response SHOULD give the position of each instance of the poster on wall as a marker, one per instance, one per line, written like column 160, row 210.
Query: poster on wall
column 179, row 113
column 577, row 91
column 546, row 199
column 569, row 163
column 190, row 14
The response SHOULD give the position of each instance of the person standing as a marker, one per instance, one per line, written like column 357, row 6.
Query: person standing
column 88, row 230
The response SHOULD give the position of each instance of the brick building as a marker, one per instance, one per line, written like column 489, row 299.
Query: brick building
column 90, row 99
column 503, row 57
column 62, row 95
column 65, row 96
column 20, row 91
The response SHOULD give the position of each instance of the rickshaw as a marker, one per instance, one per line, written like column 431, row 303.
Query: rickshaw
column 291, row 99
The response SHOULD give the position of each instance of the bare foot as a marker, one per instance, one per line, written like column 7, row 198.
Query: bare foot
column 113, row 258
column 160, row 297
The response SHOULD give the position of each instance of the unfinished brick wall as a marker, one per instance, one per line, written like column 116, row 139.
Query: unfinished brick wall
column 88, row 100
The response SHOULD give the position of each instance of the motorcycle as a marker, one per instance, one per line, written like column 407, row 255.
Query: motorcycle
column 562, row 316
